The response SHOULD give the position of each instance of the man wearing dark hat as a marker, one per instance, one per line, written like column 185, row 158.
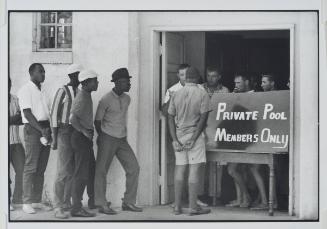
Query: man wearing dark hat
column 110, row 123
column 188, row 113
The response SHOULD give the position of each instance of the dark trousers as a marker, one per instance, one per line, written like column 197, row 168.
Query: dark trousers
column 108, row 147
column 65, row 167
column 83, row 151
column 90, row 181
column 17, row 159
column 36, row 160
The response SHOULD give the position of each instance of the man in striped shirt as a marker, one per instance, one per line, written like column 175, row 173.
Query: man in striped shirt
column 62, row 130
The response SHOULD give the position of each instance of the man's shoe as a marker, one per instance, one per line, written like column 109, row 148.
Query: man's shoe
column 66, row 207
column 27, row 208
column 60, row 214
column 200, row 203
column 177, row 211
column 107, row 210
column 199, row 211
column 81, row 213
column 41, row 206
column 131, row 207
column 90, row 204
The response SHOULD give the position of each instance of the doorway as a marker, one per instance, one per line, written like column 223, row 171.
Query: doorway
column 253, row 52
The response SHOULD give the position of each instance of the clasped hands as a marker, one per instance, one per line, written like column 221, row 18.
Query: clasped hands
column 178, row 146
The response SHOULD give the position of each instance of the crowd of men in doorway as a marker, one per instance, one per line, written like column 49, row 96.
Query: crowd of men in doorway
column 187, row 105
column 67, row 125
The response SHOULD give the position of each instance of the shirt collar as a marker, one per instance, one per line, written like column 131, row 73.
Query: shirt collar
column 34, row 85
column 190, row 84
column 117, row 96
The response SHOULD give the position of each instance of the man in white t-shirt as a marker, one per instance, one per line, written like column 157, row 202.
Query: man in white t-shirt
column 34, row 104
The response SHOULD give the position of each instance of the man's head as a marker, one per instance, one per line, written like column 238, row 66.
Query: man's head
column 89, row 80
column 37, row 73
column 213, row 77
column 73, row 72
column 122, row 81
column 242, row 83
column 192, row 75
column 181, row 73
column 268, row 82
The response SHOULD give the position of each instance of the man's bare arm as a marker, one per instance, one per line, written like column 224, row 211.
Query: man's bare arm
column 34, row 123
column 97, row 124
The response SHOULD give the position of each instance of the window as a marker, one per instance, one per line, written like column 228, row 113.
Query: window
column 53, row 31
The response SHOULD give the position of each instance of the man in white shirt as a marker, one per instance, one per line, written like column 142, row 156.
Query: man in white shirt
column 35, row 106
column 181, row 73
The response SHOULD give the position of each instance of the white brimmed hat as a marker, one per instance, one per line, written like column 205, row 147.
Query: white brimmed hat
column 87, row 74
column 74, row 68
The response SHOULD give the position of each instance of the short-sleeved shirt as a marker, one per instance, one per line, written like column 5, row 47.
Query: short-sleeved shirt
column 219, row 89
column 175, row 88
column 14, row 129
column 187, row 105
column 31, row 97
column 82, row 108
column 112, row 112
column 61, row 106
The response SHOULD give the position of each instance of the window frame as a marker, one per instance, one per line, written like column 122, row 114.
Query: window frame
column 37, row 33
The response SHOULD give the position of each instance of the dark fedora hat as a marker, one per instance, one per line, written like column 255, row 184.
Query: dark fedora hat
column 119, row 74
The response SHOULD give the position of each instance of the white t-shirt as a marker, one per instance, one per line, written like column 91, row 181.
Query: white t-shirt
column 30, row 97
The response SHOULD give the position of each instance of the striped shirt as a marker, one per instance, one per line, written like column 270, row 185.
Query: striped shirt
column 14, row 129
column 218, row 89
column 61, row 106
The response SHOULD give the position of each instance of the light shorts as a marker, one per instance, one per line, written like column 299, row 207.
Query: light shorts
column 193, row 156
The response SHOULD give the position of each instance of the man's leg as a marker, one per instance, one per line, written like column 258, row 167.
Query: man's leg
column 90, row 182
column 64, row 166
column 17, row 156
column 82, row 147
column 107, row 147
column 242, row 195
column 260, row 184
column 193, row 181
column 179, row 181
column 129, row 162
column 33, row 148
column 39, row 174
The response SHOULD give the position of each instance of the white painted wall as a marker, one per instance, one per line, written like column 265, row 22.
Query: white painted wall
column 306, row 96
column 99, row 43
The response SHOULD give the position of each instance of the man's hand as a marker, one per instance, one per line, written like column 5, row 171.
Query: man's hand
column 189, row 144
column 46, row 132
column 177, row 146
column 54, row 144
column 88, row 133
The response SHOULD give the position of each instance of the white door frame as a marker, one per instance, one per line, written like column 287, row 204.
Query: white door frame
column 155, row 30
